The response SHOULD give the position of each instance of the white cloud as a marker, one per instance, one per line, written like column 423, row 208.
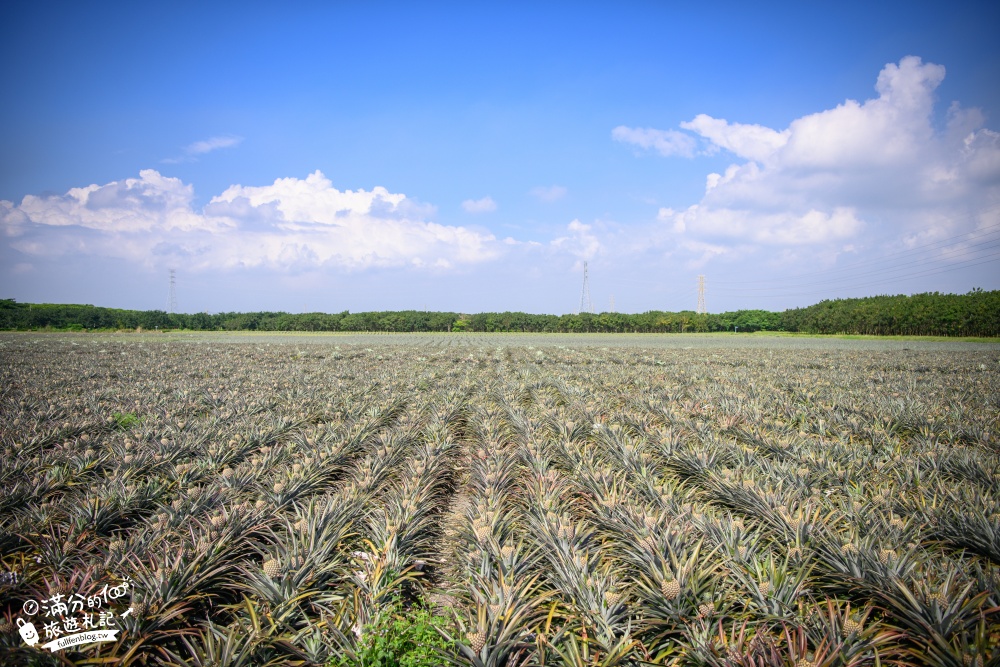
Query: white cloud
column 754, row 142
column 293, row 224
column 214, row 143
column 152, row 201
column 770, row 229
column 484, row 205
column 193, row 150
column 667, row 142
column 819, row 180
column 581, row 241
column 549, row 193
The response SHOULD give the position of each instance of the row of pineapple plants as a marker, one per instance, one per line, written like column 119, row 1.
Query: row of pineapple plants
column 565, row 506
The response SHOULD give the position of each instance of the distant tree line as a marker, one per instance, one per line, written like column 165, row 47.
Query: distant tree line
column 974, row 314
column 931, row 314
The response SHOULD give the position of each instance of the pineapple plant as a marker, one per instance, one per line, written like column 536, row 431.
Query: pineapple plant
column 972, row 660
column 477, row 640
column 670, row 588
column 272, row 568
column 852, row 625
column 939, row 598
column 139, row 607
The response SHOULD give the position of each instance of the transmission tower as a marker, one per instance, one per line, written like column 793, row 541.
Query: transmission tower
column 172, row 299
column 586, row 305
column 612, row 303
column 701, row 295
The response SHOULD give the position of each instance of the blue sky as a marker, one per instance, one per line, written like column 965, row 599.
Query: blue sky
column 462, row 156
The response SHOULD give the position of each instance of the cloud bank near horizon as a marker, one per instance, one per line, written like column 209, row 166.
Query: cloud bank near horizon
column 840, row 180
column 292, row 224
column 829, row 175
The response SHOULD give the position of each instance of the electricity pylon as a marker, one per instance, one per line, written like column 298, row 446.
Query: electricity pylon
column 586, row 305
column 701, row 295
column 172, row 299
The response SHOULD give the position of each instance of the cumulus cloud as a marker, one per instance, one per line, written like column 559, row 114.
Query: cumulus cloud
column 783, row 228
column 484, row 205
column 828, row 174
column 549, row 193
column 292, row 224
column 580, row 242
column 754, row 142
column 667, row 142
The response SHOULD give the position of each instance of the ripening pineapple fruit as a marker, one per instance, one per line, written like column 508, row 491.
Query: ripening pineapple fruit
column 938, row 597
column 705, row 609
column 795, row 553
column 272, row 568
column 848, row 548
column 852, row 626
column 886, row 555
column 612, row 598
column 218, row 521
column 765, row 588
column 477, row 640
column 804, row 662
column 260, row 504
column 116, row 546
column 278, row 487
column 670, row 588
column 5, row 625
column 139, row 607
column 972, row 660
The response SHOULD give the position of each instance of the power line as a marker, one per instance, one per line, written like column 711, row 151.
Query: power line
column 701, row 295
column 890, row 272
column 906, row 254
column 896, row 279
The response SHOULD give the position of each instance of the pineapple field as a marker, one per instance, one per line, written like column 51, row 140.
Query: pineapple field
column 498, row 500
